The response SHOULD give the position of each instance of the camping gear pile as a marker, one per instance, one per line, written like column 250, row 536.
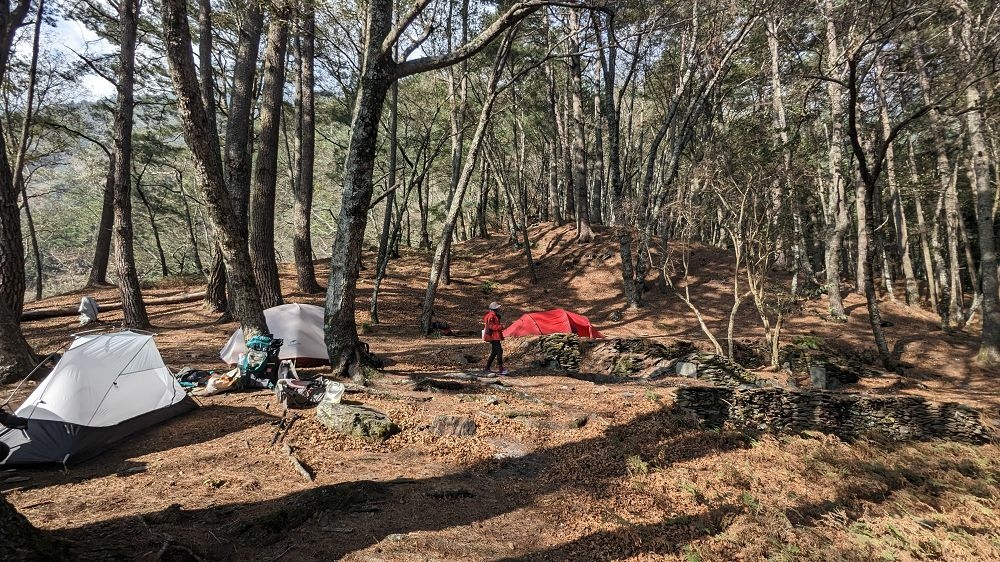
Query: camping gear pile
column 103, row 389
column 849, row 416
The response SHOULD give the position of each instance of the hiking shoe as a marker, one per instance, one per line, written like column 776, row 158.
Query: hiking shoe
column 503, row 372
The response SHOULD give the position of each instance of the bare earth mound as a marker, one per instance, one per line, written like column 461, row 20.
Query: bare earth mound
column 559, row 468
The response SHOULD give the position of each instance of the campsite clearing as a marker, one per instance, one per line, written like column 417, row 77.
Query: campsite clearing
column 559, row 467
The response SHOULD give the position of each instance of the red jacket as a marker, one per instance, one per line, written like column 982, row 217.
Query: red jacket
column 494, row 328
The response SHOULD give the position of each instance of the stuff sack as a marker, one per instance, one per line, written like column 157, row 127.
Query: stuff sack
column 259, row 367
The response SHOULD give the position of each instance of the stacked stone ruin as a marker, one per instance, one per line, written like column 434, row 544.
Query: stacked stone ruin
column 722, row 372
column 561, row 351
column 848, row 416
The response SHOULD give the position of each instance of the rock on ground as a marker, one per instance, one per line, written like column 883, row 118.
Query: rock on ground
column 453, row 425
column 356, row 421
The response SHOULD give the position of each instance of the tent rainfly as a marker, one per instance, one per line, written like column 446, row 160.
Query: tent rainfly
column 301, row 328
column 104, row 388
column 556, row 321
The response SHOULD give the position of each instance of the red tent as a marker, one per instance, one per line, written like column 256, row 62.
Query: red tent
column 556, row 321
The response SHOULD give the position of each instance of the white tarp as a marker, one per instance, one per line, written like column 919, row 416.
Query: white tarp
column 299, row 325
column 103, row 380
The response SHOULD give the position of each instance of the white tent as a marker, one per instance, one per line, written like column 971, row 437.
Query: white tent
column 299, row 325
column 105, row 387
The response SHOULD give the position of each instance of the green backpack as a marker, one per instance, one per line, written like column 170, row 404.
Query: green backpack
column 259, row 367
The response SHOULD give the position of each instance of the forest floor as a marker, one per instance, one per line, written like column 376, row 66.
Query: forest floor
column 637, row 481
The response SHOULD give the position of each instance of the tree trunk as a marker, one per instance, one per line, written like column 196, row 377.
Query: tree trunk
column 989, row 347
column 204, row 145
column 554, row 208
column 16, row 359
column 382, row 261
column 836, row 212
column 925, row 251
column 265, row 173
column 345, row 259
column 951, row 291
column 22, row 147
column 597, row 196
column 303, row 185
column 583, row 231
column 102, row 249
column 164, row 270
column 898, row 210
column 612, row 114
column 861, row 205
column 128, row 278
column 189, row 222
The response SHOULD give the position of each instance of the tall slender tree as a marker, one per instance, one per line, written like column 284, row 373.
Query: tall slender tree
column 265, row 172
column 128, row 278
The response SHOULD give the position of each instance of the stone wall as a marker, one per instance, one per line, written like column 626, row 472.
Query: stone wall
column 848, row 416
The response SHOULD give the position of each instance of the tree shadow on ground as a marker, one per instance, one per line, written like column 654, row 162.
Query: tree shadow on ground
column 375, row 510
column 332, row 521
column 198, row 426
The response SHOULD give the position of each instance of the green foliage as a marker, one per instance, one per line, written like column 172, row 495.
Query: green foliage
column 691, row 555
column 489, row 287
column 635, row 466
column 809, row 342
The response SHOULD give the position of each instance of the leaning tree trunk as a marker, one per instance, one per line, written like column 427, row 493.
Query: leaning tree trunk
column 239, row 141
column 22, row 147
column 303, row 186
column 265, row 173
column 444, row 244
column 128, row 278
column 204, row 145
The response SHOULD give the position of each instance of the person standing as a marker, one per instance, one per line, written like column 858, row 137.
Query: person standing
column 493, row 333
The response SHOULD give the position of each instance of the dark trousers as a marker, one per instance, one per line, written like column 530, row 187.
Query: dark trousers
column 496, row 352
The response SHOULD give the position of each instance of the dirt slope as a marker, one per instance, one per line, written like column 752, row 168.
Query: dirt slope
column 558, row 469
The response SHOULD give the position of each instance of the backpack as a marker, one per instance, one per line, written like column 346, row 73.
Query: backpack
column 259, row 367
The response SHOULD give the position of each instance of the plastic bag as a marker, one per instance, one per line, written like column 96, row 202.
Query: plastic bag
column 334, row 392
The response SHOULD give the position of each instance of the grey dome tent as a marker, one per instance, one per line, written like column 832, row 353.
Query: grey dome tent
column 104, row 388
column 301, row 328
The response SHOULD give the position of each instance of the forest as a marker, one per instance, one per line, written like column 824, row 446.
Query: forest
column 747, row 162
column 841, row 143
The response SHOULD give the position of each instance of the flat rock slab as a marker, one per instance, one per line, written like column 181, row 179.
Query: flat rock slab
column 453, row 425
column 356, row 421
